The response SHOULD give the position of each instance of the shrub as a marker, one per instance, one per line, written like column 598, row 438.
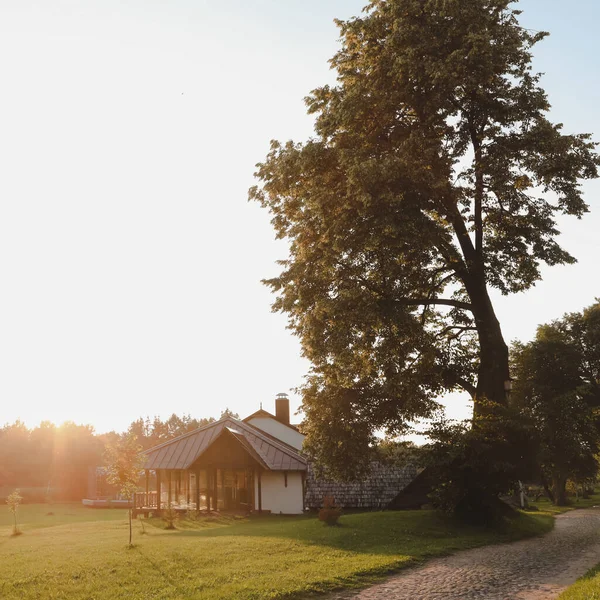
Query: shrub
column 330, row 513
column 170, row 516
column 473, row 464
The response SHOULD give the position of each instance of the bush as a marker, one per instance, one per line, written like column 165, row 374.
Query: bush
column 330, row 513
column 170, row 516
column 473, row 464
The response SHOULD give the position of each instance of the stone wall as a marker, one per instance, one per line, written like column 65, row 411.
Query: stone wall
column 375, row 491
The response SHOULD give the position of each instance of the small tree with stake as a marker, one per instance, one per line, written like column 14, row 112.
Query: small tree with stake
column 124, row 465
column 14, row 500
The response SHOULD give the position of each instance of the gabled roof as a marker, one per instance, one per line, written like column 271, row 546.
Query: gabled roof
column 182, row 452
column 263, row 414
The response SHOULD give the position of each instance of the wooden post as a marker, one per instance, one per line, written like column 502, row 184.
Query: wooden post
column 147, row 473
column 216, row 482
column 197, row 490
column 223, row 497
column 158, row 490
column 208, row 489
column 169, row 474
column 259, row 493
column 188, row 481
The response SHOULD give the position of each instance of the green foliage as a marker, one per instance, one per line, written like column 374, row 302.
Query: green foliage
column 557, row 388
column 227, row 412
column 329, row 513
column 50, row 461
column 586, row 587
column 473, row 464
column 434, row 174
column 124, row 465
column 170, row 516
column 48, row 456
column 150, row 433
column 14, row 501
column 402, row 452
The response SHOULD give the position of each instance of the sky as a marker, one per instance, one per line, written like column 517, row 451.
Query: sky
column 130, row 258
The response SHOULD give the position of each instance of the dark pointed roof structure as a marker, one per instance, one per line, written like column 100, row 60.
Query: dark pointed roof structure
column 183, row 451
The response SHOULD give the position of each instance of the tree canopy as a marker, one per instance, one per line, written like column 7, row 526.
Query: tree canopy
column 557, row 385
column 51, row 462
column 434, row 176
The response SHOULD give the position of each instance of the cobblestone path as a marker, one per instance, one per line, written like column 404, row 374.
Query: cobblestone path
column 534, row 569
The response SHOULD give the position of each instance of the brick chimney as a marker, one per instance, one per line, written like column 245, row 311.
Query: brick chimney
column 282, row 409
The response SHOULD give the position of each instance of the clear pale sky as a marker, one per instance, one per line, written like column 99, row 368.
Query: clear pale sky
column 130, row 259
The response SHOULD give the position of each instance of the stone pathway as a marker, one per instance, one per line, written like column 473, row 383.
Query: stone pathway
column 534, row 569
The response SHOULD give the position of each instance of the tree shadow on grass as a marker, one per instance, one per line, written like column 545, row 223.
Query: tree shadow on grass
column 414, row 533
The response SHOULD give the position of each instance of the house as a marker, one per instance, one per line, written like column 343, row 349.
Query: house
column 255, row 464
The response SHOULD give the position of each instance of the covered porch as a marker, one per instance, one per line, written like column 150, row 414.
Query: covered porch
column 225, row 466
column 223, row 488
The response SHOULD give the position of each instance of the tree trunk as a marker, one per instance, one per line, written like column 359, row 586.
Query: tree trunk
column 494, row 369
column 547, row 489
column 559, row 490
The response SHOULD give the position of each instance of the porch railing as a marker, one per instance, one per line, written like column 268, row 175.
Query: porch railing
column 145, row 500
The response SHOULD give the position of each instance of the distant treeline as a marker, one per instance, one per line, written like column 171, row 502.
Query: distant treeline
column 51, row 463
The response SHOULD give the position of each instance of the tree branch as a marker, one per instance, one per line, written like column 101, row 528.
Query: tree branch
column 434, row 302
column 459, row 328
column 467, row 386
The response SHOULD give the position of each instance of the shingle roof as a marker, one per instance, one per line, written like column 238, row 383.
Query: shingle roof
column 184, row 451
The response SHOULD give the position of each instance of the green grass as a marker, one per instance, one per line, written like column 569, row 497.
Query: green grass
column 545, row 505
column 586, row 588
column 80, row 553
column 35, row 516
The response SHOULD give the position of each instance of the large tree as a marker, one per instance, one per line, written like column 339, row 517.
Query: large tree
column 433, row 177
column 557, row 384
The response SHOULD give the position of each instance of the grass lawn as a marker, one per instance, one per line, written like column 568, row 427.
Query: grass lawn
column 586, row 588
column 34, row 516
column 545, row 505
column 81, row 553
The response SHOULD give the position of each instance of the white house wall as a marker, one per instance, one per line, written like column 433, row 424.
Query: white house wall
column 279, row 430
column 276, row 497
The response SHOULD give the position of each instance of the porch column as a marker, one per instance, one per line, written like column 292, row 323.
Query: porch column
column 188, row 481
column 158, row 490
column 216, row 484
column 147, row 501
column 170, row 475
column 259, row 493
column 197, row 490
column 208, row 489
column 214, row 491
column 223, row 498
